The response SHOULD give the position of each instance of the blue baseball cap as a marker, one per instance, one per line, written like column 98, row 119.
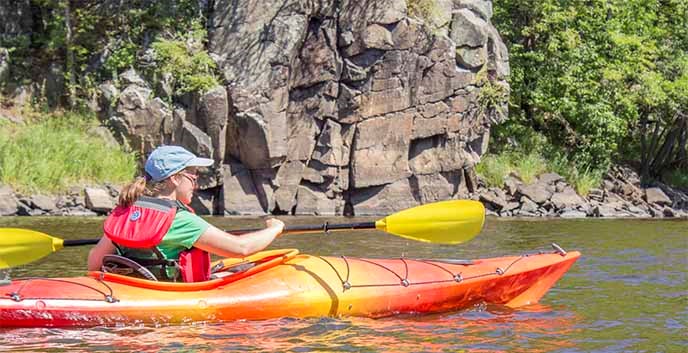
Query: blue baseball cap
column 166, row 161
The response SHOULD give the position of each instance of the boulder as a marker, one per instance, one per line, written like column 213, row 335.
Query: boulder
column 493, row 198
column 536, row 192
column 311, row 201
column 471, row 58
column 239, row 193
column 137, row 119
column 383, row 200
column 668, row 212
column 98, row 200
column 79, row 211
column 550, row 178
column 596, row 194
column 657, row 196
column 568, row 198
column 528, row 206
column 467, row 29
column 195, row 140
column 572, row 214
column 437, row 186
column 43, row 202
column 377, row 37
column 8, row 202
column 251, row 141
column 612, row 210
column 482, row 8
column 510, row 206
column 385, row 11
column 213, row 110
column 511, row 184
column 131, row 77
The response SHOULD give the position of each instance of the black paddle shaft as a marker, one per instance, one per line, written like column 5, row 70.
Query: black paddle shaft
column 77, row 242
column 325, row 227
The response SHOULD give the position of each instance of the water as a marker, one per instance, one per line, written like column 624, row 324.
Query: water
column 628, row 293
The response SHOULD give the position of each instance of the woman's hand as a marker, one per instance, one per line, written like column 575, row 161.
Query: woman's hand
column 275, row 224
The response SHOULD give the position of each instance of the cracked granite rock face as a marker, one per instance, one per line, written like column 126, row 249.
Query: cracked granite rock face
column 331, row 107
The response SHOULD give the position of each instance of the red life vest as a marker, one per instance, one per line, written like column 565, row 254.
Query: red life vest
column 144, row 224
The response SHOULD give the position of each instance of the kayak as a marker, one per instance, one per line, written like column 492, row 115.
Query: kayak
column 284, row 283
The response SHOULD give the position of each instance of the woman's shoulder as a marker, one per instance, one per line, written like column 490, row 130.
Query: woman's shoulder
column 186, row 215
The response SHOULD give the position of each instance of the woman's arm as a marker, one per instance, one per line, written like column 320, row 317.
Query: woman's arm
column 218, row 242
column 95, row 256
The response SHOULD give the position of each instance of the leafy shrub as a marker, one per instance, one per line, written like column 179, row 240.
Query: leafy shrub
column 677, row 178
column 192, row 70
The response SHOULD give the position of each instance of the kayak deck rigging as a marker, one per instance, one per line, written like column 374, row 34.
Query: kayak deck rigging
column 270, row 259
column 17, row 295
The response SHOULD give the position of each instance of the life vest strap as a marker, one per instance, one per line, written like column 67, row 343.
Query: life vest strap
column 160, row 260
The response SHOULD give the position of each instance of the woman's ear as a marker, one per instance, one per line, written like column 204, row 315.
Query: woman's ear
column 175, row 180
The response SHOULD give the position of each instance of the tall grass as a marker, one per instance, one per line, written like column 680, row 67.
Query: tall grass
column 529, row 166
column 521, row 150
column 494, row 168
column 582, row 179
column 54, row 153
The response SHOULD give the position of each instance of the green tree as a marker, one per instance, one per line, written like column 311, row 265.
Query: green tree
column 588, row 75
column 97, row 40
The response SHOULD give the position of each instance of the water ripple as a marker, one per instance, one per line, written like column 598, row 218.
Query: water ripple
column 628, row 293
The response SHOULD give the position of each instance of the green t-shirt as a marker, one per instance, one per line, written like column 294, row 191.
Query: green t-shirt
column 186, row 228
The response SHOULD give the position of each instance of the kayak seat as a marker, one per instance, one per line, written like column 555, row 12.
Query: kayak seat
column 124, row 266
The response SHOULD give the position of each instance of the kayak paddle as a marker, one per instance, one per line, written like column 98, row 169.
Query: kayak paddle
column 446, row 222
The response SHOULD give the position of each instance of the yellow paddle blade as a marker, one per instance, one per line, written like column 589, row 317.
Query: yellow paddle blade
column 21, row 246
column 448, row 222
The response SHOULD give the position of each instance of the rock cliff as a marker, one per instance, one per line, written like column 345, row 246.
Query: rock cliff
column 329, row 107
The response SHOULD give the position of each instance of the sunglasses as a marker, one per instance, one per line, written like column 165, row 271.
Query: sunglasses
column 191, row 176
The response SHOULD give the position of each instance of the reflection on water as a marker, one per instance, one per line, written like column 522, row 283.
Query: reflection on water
column 535, row 329
column 629, row 292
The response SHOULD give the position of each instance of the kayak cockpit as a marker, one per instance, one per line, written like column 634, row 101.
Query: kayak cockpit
column 226, row 271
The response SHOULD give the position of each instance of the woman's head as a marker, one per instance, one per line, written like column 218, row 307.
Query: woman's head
column 166, row 161
column 183, row 184
column 170, row 170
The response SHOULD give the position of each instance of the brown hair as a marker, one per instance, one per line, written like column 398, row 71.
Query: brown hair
column 137, row 188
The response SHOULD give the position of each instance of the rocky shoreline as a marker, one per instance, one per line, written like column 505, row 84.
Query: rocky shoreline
column 619, row 196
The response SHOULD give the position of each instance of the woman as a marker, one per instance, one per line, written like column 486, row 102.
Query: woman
column 153, row 224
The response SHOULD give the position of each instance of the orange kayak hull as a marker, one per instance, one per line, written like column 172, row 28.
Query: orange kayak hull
column 283, row 283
